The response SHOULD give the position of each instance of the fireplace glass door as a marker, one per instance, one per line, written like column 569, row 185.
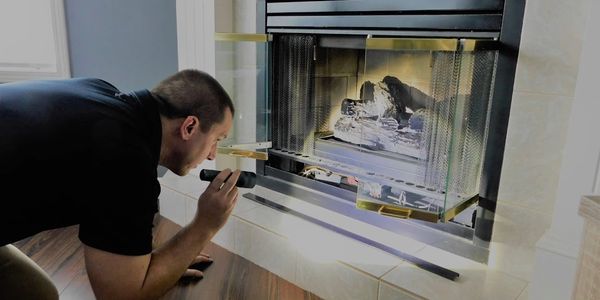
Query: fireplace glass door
column 400, row 122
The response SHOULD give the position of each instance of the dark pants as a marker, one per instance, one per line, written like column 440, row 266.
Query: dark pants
column 21, row 278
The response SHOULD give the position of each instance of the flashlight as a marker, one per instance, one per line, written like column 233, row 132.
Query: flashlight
column 246, row 179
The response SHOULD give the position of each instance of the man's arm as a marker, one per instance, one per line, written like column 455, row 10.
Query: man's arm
column 115, row 276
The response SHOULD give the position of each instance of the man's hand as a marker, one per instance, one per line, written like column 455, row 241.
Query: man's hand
column 115, row 276
column 217, row 202
column 200, row 260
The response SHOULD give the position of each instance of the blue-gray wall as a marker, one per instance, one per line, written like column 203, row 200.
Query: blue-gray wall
column 131, row 44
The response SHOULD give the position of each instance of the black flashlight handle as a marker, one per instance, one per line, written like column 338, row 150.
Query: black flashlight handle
column 246, row 179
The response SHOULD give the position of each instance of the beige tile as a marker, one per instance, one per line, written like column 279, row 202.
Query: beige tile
column 191, row 206
column 242, row 205
column 333, row 280
column 173, row 205
column 516, row 231
column 189, row 184
column 266, row 249
column 550, row 46
column 534, row 144
column 371, row 260
column 389, row 292
column 388, row 238
column 323, row 244
column 226, row 235
column 475, row 281
column 525, row 294
column 280, row 223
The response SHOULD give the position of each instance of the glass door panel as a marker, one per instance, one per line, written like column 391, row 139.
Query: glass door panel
column 416, row 119
column 241, row 67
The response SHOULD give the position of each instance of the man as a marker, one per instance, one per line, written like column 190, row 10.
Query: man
column 79, row 151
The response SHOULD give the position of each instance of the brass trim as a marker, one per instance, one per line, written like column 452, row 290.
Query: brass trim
column 243, row 37
column 452, row 212
column 412, row 44
column 462, row 45
column 250, row 146
column 468, row 45
column 397, row 212
column 243, row 153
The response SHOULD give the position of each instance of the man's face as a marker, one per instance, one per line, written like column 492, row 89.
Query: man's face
column 203, row 145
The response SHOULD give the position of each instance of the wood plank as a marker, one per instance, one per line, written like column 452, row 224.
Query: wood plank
column 60, row 253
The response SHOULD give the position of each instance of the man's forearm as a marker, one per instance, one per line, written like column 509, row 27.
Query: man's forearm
column 172, row 259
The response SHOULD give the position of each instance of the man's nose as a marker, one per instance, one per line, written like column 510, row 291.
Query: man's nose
column 213, row 153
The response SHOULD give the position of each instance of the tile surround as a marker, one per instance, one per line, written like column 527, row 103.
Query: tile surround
column 242, row 205
column 525, row 294
column 226, row 237
column 332, row 280
column 405, row 244
column 389, row 292
column 305, row 235
column 550, row 50
column 532, row 158
column 512, row 249
column 266, row 249
column 476, row 281
column 173, row 205
column 336, row 267
column 190, row 184
column 545, row 82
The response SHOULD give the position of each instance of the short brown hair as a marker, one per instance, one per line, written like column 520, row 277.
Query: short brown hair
column 193, row 92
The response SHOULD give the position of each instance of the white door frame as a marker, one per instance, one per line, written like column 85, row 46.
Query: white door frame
column 195, row 34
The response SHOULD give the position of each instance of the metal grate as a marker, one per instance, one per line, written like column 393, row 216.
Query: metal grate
column 294, row 122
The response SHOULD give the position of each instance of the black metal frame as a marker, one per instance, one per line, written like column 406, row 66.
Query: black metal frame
column 509, row 41
column 386, row 6
column 425, row 18
column 288, row 16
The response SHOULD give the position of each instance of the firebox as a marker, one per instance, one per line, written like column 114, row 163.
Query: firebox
column 397, row 109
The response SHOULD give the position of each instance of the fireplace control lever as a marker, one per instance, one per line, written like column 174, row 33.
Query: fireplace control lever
column 246, row 180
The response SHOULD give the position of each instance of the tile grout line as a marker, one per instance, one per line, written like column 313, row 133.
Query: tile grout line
column 522, row 291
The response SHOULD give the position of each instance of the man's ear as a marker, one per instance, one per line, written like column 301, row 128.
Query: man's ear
column 189, row 127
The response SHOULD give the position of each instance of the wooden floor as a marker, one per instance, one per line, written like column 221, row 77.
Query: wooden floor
column 60, row 253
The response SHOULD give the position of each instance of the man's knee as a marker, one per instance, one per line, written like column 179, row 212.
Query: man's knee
column 21, row 278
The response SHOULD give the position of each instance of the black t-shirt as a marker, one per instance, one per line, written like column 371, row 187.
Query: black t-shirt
column 79, row 151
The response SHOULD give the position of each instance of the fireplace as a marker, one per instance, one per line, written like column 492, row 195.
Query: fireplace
column 397, row 109
column 402, row 125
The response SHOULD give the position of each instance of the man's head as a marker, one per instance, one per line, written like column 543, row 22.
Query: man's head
column 196, row 113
